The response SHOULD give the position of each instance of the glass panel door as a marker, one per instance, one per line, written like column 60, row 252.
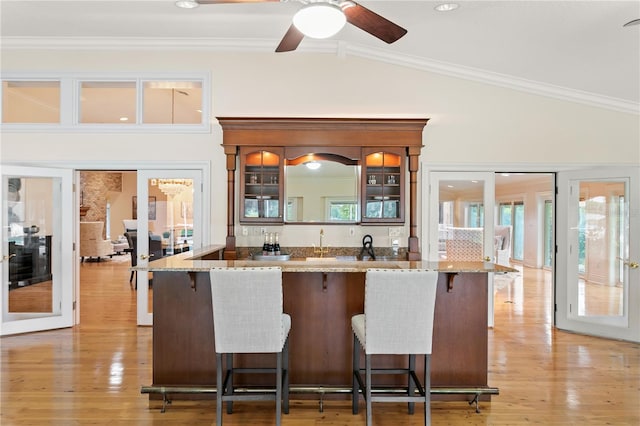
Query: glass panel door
column 461, row 219
column 172, row 224
column 600, row 294
column 462, row 204
column 37, row 249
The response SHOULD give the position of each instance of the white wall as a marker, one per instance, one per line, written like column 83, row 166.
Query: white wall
column 470, row 123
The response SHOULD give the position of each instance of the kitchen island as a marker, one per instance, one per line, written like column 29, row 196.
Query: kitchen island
column 321, row 295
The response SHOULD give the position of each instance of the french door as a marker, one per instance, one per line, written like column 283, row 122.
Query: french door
column 36, row 255
column 598, row 285
column 173, row 224
column 461, row 217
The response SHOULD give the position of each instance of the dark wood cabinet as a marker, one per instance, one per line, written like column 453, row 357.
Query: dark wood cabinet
column 383, row 174
column 261, row 171
column 398, row 139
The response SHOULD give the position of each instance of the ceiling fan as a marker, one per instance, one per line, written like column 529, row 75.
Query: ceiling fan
column 341, row 10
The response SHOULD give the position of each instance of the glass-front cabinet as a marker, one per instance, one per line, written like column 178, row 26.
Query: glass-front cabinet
column 261, row 184
column 382, row 185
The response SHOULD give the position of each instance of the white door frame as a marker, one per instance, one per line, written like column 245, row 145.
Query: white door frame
column 430, row 229
column 126, row 165
column 144, row 317
column 626, row 326
column 62, row 255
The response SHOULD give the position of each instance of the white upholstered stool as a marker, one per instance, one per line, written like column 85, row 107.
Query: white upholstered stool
column 399, row 308
column 248, row 318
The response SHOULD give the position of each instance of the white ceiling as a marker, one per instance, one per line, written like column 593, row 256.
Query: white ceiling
column 577, row 50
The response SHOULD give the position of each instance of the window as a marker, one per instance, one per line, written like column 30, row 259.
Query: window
column 474, row 216
column 513, row 214
column 172, row 102
column 548, row 233
column 112, row 102
column 30, row 101
column 132, row 102
column 342, row 210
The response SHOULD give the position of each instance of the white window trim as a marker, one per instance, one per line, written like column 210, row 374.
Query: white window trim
column 69, row 93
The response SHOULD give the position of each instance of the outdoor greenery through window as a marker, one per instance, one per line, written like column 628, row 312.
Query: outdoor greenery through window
column 343, row 211
column 513, row 214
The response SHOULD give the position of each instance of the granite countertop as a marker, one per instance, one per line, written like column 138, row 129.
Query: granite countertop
column 192, row 262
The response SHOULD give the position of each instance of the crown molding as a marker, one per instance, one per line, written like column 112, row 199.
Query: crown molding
column 496, row 79
column 339, row 48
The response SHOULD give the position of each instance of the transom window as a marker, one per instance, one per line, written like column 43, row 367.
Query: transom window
column 134, row 103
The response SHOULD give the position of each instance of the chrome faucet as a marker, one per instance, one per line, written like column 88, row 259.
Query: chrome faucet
column 320, row 250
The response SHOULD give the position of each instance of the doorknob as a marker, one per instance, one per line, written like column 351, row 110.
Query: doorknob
column 487, row 259
column 144, row 256
column 632, row 265
column 7, row 257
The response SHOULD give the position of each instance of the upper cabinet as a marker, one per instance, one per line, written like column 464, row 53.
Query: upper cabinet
column 383, row 185
column 261, row 184
column 387, row 152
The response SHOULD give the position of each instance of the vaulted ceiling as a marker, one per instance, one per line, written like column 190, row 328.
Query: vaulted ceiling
column 578, row 50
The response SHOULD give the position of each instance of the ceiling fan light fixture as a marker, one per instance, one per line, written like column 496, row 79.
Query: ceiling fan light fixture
column 187, row 4
column 319, row 20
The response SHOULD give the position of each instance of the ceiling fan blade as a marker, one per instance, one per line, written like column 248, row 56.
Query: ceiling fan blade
column 373, row 23
column 291, row 40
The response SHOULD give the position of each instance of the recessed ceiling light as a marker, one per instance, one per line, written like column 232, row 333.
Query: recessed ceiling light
column 187, row 4
column 124, row 118
column 446, row 7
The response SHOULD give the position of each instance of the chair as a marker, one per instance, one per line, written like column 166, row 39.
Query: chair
column 248, row 318
column 91, row 242
column 399, row 308
column 155, row 250
column 502, row 242
column 130, row 225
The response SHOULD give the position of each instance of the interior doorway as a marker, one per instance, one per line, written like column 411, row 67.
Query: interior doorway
column 505, row 217
column 106, row 200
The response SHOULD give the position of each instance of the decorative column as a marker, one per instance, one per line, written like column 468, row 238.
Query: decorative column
column 413, row 252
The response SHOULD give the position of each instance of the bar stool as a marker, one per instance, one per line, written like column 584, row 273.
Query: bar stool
column 248, row 318
column 398, row 317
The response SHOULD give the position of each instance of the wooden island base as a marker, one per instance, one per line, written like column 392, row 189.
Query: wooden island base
column 321, row 305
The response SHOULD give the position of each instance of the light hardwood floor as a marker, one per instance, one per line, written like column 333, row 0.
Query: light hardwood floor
column 92, row 373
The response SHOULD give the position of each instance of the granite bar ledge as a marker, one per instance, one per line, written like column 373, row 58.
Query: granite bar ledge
column 197, row 261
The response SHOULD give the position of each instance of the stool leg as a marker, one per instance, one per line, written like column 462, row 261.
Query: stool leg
column 367, row 362
column 355, row 386
column 411, row 384
column 278, row 388
column 219, row 389
column 285, row 390
column 229, row 388
column 427, row 390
